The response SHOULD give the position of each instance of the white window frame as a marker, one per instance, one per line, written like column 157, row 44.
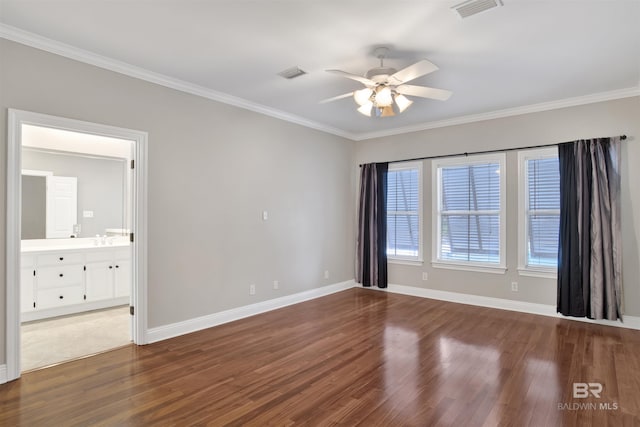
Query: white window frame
column 523, row 207
column 395, row 259
column 436, row 165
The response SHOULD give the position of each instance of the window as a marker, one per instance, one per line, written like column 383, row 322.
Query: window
column 404, row 211
column 469, row 213
column 539, row 211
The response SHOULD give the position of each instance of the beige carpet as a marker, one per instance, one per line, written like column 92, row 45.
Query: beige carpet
column 51, row 341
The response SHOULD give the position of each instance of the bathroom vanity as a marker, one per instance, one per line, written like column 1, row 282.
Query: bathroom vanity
column 66, row 276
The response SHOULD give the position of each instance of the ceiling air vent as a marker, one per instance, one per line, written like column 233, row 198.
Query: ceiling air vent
column 471, row 7
column 292, row 73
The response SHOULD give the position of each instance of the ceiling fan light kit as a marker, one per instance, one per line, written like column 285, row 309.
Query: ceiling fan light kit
column 402, row 102
column 366, row 108
column 385, row 88
column 382, row 97
column 362, row 96
column 381, row 102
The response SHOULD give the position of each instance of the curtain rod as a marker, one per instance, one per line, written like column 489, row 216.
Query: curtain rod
column 622, row 137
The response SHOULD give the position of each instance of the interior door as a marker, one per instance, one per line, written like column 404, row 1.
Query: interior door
column 62, row 206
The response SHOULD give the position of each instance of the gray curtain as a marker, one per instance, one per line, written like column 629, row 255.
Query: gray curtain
column 371, row 255
column 590, row 239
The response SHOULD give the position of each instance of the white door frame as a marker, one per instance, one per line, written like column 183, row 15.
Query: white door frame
column 17, row 118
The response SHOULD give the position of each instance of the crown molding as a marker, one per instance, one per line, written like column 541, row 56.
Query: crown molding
column 508, row 112
column 52, row 46
column 43, row 43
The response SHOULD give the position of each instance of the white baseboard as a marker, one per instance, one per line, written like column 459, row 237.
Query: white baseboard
column 192, row 325
column 29, row 316
column 3, row 374
column 630, row 322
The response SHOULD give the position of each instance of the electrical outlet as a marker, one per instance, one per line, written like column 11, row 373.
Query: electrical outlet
column 514, row 286
column 265, row 215
column 425, row 275
column 252, row 289
column 276, row 285
column 326, row 274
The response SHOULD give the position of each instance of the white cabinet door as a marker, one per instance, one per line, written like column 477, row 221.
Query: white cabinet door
column 27, row 293
column 99, row 280
column 123, row 277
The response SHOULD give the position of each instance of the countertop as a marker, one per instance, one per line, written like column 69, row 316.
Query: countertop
column 47, row 245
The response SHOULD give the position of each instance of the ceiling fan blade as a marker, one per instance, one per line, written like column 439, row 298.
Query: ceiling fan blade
column 424, row 92
column 365, row 81
column 335, row 98
column 414, row 71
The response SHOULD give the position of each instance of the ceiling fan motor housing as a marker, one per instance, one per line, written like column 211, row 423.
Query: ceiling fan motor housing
column 380, row 74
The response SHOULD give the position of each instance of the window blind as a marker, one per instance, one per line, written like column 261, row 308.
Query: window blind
column 470, row 213
column 403, row 219
column 543, row 211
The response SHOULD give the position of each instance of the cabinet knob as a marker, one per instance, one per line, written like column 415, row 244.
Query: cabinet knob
column 61, row 258
column 117, row 266
column 111, row 266
column 61, row 274
column 61, row 297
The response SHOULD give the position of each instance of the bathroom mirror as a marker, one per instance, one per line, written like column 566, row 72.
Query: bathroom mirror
column 100, row 187
column 34, row 196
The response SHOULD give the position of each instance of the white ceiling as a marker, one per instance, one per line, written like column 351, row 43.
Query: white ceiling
column 555, row 52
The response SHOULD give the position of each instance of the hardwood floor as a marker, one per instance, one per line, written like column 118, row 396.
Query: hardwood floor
column 359, row 357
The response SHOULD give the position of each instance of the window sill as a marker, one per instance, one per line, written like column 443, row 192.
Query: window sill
column 400, row 261
column 533, row 272
column 470, row 267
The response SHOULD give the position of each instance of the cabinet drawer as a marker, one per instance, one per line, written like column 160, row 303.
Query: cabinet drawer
column 55, row 277
column 57, row 297
column 60, row 259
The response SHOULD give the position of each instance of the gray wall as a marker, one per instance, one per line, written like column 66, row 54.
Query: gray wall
column 34, row 205
column 213, row 169
column 588, row 121
column 100, row 186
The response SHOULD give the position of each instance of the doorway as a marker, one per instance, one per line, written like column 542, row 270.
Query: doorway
column 90, row 263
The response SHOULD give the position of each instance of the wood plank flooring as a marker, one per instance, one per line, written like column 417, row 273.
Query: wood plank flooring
column 358, row 357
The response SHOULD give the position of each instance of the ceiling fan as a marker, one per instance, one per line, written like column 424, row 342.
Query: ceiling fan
column 385, row 87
